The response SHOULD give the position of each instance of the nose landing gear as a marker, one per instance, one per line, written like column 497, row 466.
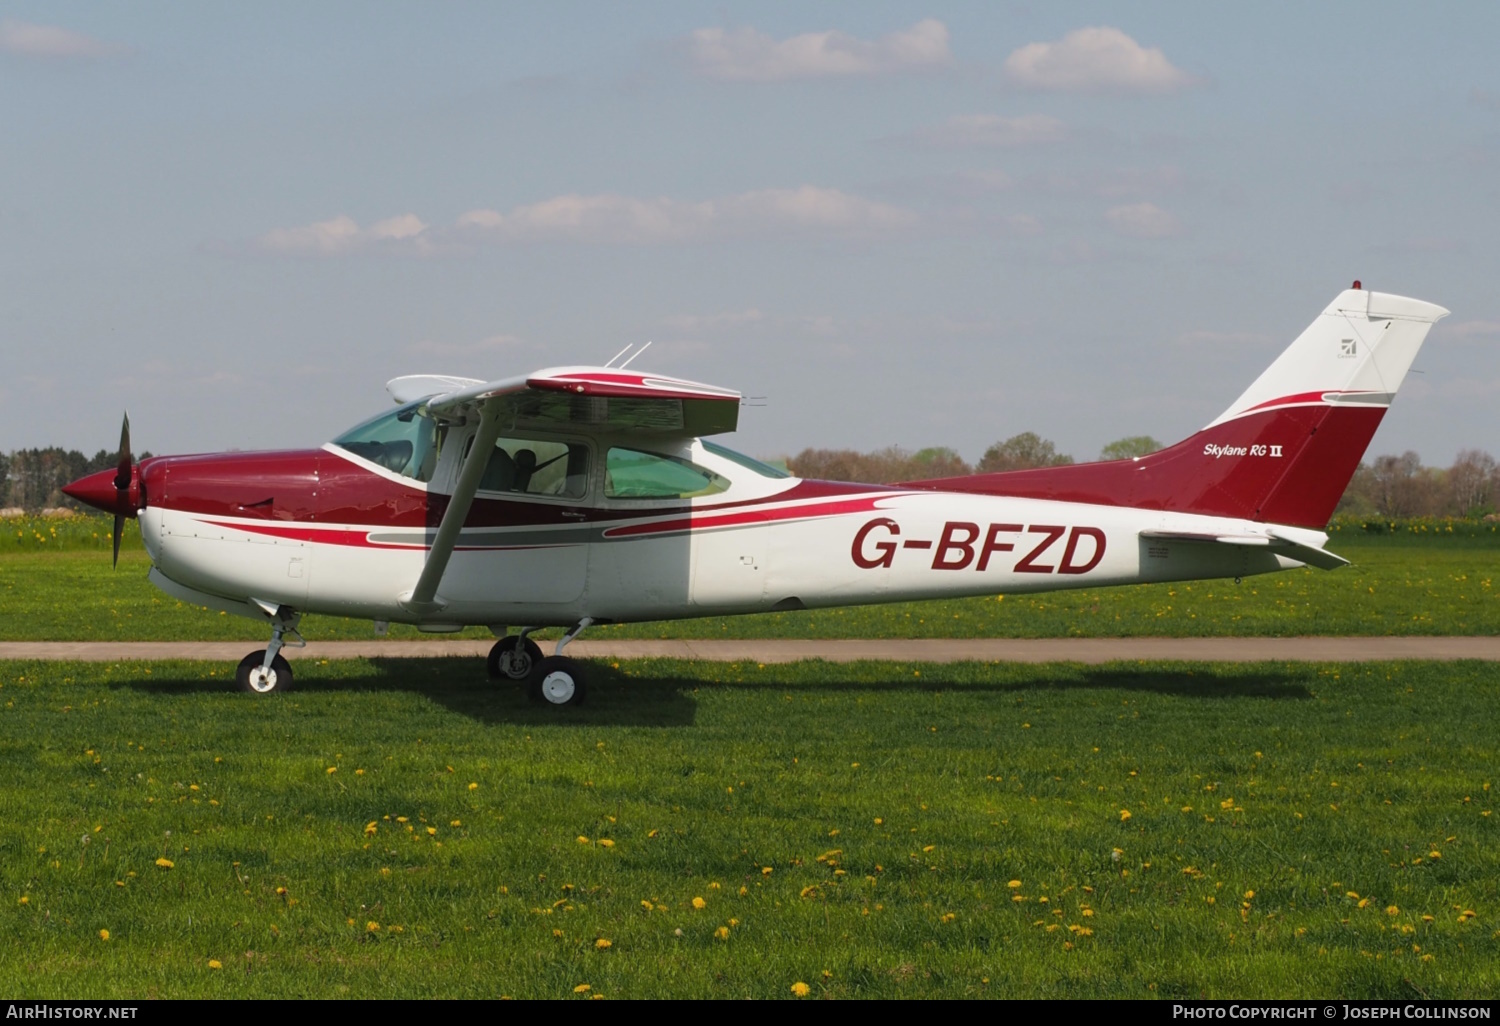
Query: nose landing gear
column 266, row 672
column 558, row 680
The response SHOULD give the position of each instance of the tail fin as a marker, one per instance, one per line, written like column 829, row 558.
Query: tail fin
column 1285, row 450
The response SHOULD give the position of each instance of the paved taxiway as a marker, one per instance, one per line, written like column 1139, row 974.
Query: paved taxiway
column 925, row 650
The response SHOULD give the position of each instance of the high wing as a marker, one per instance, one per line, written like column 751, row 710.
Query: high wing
column 587, row 399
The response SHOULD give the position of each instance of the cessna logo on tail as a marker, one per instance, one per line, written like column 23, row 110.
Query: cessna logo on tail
column 963, row 544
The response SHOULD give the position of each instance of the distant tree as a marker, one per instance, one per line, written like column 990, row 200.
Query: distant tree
column 1405, row 488
column 1472, row 482
column 1359, row 496
column 1125, row 448
column 1020, row 452
column 884, row 466
column 938, row 461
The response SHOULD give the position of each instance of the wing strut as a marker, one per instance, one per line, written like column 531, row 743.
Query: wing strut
column 423, row 598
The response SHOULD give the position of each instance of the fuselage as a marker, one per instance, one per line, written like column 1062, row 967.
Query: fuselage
column 331, row 531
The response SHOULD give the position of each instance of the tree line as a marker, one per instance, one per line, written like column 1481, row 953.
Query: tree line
column 32, row 479
column 1388, row 486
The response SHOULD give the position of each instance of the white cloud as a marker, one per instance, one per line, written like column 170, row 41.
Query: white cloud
column 604, row 218
column 748, row 55
column 1473, row 329
column 962, row 130
column 701, row 323
column 627, row 219
column 29, row 40
column 1095, row 60
column 1142, row 221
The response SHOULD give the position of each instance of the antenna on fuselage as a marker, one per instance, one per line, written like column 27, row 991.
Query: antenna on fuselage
column 633, row 355
column 622, row 352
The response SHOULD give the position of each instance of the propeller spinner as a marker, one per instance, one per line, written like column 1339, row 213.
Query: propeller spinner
column 111, row 491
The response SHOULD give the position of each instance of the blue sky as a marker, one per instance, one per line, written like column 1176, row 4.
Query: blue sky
column 901, row 224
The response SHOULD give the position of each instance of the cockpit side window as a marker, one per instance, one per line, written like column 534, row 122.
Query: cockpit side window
column 537, row 466
column 405, row 441
column 635, row 474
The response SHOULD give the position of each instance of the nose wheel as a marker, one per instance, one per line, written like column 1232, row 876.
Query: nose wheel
column 255, row 676
column 557, row 681
column 513, row 658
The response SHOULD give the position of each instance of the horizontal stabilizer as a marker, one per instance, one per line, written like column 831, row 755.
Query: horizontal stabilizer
column 1302, row 552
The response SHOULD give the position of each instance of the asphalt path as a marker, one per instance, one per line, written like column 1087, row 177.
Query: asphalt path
column 924, row 650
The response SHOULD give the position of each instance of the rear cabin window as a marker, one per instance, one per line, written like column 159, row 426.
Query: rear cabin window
column 634, row 474
column 533, row 466
column 405, row 441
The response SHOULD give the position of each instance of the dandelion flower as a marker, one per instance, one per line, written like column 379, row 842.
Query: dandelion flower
column 602, row 943
column 214, row 963
column 1434, row 854
column 699, row 903
column 1124, row 815
column 24, row 900
column 582, row 839
column 800, row 989
column 605, row 842
column 1014, row 885
column 473, row 787
column 332, row 769
column 1392, row 910
column 165, row 863
column 431, row 831
column 370, row 828
column 766, row 870
column 456, row 823
column 372, row 927
column 948, row 917
column 722, row 933
column 582, row 988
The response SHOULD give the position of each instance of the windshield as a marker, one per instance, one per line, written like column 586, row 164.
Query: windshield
column 405, row 441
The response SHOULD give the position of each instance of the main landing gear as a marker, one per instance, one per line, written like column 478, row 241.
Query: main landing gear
column 554, row 680
column 266, row 672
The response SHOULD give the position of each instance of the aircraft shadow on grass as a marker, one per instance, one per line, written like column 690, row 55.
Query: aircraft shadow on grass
column 616, row 699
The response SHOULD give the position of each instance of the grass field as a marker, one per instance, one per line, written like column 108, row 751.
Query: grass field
column 1400, row 583
column 406, row 829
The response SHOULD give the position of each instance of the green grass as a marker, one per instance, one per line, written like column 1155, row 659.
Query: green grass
column 1399, row 584
column 853, row 827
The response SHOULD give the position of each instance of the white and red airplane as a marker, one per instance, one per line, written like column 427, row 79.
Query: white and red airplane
column 590, row 495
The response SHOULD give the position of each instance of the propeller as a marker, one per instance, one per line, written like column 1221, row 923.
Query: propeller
column 123, row 471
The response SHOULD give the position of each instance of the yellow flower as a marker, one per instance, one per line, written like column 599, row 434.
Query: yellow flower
column 948, row 917
column 165, row 863
column 456, row 823
column 1434, row 854
column 602, row 943
column 767, row 870
column 699, row 903
column 557, row 933
column 214, row 963
column 1014, row 884
column 370, row 829
column 372, row 927
column 473, row 787
column 1249, row 895
column 800, row 989
column 605, row 842
column 722, row 933
column 431, row 831
column 359, row 773
column 1124, row 815
column 332, row 769
column 582, row 988
column 24, row 900
column 582, row 839
column 1392, row 910
column 104, row 935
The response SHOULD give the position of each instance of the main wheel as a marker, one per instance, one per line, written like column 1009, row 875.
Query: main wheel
column 250, row 676
column 513, row 658
column 557, row 680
